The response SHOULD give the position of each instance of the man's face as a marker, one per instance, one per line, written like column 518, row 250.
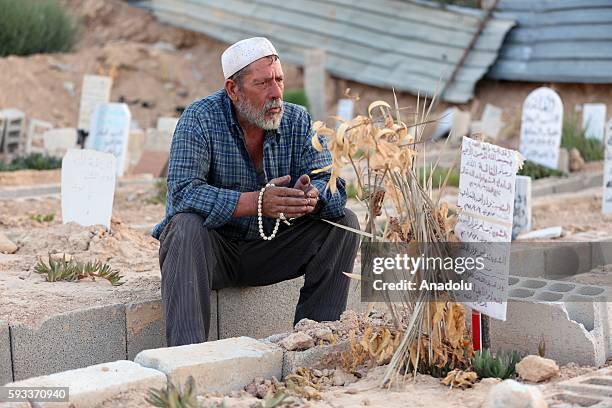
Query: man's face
column 260, row 99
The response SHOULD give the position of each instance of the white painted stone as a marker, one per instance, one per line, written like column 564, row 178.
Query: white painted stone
column 94, row 91
column 522, row 206
column 345, row 108
column 57, row 141
column 88, row 187
column 167, row 124
column 512, row 394
column 109, row 132
column 314, row 82
column 607, row 173
column 594, row 120
column 537, row 369
column 490, row 123
column 34, row 141
column 217, row 366
column 541, row 126
column 101, row 383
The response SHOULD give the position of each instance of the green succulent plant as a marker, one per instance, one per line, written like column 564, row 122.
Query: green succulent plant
column 70, row 270
column 502, row 365
column 173, row 396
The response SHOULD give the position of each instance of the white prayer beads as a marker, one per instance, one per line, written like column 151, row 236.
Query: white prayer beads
column 260, row 216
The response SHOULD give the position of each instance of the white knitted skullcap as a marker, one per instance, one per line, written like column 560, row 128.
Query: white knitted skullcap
column 244, row 52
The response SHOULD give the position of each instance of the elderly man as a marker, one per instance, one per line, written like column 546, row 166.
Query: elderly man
column 244, row 207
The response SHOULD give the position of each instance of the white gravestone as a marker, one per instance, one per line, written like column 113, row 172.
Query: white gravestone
column 57, row 141
column 607, row 175
column 314, row 82
column 36, row 129
column 490, row 123
column 95, row 90
column 109, row 133
column 522, row 206
column 88, row 187
column 345, row 108
column 486, row 201
column 541, row 126
column 594, row 120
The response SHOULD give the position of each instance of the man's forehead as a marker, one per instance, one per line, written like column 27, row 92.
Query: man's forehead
column 264, row 69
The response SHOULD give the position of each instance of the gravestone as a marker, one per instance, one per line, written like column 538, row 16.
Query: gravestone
column 345, row 108
column 541, row 126
column 607, row 174
column 13, row 128
column 522, row 206
column 94, row 91
column 88, row 187
column 455, row 123
column 167, row 124
column 109, row 132
column 314, row 82
column 444, row 124
column 56, row 142
column 594, row 120
column 36, row 130
column 490, row 122
column 486, row 199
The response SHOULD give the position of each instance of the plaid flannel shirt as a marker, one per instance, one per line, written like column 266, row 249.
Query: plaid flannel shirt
column 209, row 166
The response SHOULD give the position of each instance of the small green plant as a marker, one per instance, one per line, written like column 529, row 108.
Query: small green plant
column 573, row 135
column 439, row 174
column 351, row 190
column 34, row 161
column 35, row 26
column 161, row 190
column 43, row 218
column 502, row 365
column 173, row 396
column 297, row 96
column 64, row 269
column 537, row 171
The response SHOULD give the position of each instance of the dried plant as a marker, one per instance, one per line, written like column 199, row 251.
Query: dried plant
column 385, row 154
column 64, row 269
column 460, row 379
column 542, row 347
column 173, row 396
column 502, row 365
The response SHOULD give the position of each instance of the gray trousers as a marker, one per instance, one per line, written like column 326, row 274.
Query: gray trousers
column 195, row 260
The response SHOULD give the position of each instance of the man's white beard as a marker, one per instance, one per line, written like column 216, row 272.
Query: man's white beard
column 258, row 117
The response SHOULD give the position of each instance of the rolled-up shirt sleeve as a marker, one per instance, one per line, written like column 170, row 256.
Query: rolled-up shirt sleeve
column 331, row 205
column 188, row 168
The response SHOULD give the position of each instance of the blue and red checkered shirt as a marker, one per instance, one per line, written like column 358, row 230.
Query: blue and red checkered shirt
column 209, row 165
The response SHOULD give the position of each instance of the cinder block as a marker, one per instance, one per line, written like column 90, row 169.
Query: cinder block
column 270, row 309
column 6, row 363
column 145, row 327
column 527, row 260
column 217, row 366
column 70, row 340
column 315, row 358
column 567, row 260
column 119, row 383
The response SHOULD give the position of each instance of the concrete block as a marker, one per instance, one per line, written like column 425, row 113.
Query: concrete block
column 589, row 390
column 70, row 340
column 145, row 327
column 6, row 363
column 119, row 383
column 216, row 366
column 258, row 303
column 567, row 260
column 568, row 185
column 316, row 357
column 527, row 260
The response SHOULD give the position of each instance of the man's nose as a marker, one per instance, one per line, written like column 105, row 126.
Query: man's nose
column 276, row 91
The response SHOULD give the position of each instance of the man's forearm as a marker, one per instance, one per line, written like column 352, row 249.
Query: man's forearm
column 247, row 204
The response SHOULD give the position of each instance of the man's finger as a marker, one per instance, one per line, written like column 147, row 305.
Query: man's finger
column 305, row 179
column 288, row 192
column 293, row 202
column 281, row 181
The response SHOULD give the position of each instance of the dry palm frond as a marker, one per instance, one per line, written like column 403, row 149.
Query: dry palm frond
column 385, row 154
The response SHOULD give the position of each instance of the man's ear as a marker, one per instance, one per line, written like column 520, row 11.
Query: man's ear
column 231, row 87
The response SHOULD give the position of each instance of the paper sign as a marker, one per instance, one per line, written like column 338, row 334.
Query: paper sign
column 594, row 120
column 541, row 126
column 607, row 174
column 88, row 187
column 95, row 90
column 522, row 206
column 110, row 128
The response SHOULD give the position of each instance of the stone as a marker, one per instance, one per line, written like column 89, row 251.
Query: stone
column 56, row 142
column 576, row 162
column 6, row 245
column 511, row 394
column 118, row 383
column 342, row 378
column 94, row 91
column 297, row 341
column 217, row 366
column 6, row 363
column 321, row 333
column 536, row 369
column 521, row 222
column 325, row 357
column 54, row 345
column 145, row 327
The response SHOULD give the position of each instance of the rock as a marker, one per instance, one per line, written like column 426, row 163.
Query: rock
column 305, row 324
column 322, row 333
column 536, row 369
column 341, row 377
column 297, row 341
column 511, row 394
column 576, row 162
column 6, row 245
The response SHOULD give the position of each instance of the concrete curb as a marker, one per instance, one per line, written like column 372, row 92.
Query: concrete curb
column 573, row 183
column 6, row 363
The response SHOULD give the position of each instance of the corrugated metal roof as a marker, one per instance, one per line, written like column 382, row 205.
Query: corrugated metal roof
column 409, row 45
column 560, row 41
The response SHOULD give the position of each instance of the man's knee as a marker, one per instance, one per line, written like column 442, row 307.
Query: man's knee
column 349, row 220
column 186, row 224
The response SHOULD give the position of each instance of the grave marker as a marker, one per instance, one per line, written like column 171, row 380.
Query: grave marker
column 36, row 130
column 95, row 90
column 88, row 187
column 541, row 125
column 345, row 108
column 486, row 198
column 56, row 142
column 110, row 129
column 594, row 120
column 314, row 82
column 491, row 121
column 607, row 173
column 522, row 206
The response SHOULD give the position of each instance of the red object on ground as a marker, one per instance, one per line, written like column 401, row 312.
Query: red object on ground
column 476, row 332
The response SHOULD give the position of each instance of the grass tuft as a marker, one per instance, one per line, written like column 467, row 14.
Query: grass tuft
column 573, row 135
